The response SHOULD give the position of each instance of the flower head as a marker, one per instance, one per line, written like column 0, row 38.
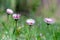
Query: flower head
column 30, row 21
column 9, row 11
column 49, row 20
column 16, row 16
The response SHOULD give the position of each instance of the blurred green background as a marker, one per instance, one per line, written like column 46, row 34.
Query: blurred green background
column 36, row 9
column 44, row 8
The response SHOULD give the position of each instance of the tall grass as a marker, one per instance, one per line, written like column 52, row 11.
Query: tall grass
column 39, row 31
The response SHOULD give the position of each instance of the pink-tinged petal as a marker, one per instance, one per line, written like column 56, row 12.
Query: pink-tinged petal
column 9, row 11
column 16, row 16
column 49, row 20
column 30, row 21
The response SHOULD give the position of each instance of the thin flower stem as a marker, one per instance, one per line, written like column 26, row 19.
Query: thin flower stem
column 48, row 28
column 16, row 23
column 15, row 26
column 30, row 31
column 30, row 27
column 48, row 25
column 7, row 17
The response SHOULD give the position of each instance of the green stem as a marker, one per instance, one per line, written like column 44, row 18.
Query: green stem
column 15, row 26
column 7, row 17
column 30, row 31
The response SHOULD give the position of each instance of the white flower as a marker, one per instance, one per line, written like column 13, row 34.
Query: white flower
column 9, row 11
column 49, row 20
column 30, row 21
column 16, row 16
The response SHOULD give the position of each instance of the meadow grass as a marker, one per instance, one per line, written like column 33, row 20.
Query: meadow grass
column 39, row 31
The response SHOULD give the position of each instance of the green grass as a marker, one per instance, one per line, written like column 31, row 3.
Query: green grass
column 51, row 32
